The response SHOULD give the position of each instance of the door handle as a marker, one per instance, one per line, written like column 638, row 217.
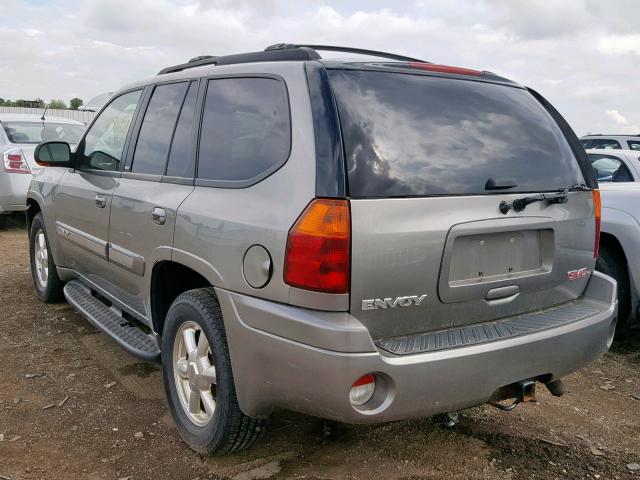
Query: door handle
column 101, row 201
column 158, row 216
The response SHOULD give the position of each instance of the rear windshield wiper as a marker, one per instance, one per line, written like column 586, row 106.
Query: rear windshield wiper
column 561, row 196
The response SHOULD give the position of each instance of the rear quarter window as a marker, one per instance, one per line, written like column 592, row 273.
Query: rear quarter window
column 419, row 135
column 634, row 144
column 245, row 133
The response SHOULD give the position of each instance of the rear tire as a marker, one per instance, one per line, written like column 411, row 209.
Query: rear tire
column 191, row 367
column 46, row 282
column 612, row 262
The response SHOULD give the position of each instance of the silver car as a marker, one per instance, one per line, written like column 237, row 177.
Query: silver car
column 363, row 241
column 19, row 135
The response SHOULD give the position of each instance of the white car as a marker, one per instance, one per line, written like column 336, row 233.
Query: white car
column 19, row 136
column 618, row 173
column 615, row 166
column 611, row 142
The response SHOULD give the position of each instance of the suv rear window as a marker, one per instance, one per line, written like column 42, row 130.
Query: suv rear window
column 419, row 135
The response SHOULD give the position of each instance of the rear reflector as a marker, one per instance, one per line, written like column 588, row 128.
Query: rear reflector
column 362, row 390
column 433, row 67
column 318, row 248
column 597, row 204
column 14, row 161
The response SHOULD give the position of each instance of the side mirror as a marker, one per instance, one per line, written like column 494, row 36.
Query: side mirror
column 53, row 154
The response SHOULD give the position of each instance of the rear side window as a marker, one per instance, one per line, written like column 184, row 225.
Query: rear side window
column 601, row 143
column 157, row 127
column 245, row 129
column 418, row 135
column 610, row 169
column 634, row 145
column 181, row 158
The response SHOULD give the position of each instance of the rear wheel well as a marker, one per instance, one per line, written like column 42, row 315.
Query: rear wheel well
column 613, row 262
column 170, row 279
column 33, row 207
column 609, row 241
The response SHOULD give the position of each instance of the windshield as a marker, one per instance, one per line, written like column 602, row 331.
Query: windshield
column 418, row 135
column 37, row 132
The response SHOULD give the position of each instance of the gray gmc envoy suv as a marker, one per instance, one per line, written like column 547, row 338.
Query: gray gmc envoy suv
column 363, row 241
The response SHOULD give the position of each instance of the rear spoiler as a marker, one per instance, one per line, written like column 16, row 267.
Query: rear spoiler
column 576, row 147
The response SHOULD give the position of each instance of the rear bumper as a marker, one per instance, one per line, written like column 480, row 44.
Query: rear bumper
column 282, row 359
column 13, row 192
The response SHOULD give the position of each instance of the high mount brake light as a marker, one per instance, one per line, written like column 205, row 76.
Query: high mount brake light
column 14, row 162
column 597, row 204
column 433, row 67
column 318, row 255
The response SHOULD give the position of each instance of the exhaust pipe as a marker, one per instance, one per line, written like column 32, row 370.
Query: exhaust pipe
column 520, row 392
column 556, row 388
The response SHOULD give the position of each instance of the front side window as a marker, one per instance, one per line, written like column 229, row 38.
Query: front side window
column 152, row 148
column 418, row 135
column 37, row 132
column 634, row 144
column 104, row 143
column 245, row 129
column 610, row 169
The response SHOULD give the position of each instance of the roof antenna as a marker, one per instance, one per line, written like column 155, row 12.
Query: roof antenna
column 43, row 113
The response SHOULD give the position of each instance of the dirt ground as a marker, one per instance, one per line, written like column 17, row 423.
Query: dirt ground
column 75, row 406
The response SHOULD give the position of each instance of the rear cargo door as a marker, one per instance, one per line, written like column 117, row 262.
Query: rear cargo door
column 429, row 160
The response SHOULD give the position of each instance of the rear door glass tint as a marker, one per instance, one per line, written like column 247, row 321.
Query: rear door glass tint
column 181, row 158
column 157, row 127
column 245, row 129
column 419, row 135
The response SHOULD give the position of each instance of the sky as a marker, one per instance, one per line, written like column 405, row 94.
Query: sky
column 583, row 55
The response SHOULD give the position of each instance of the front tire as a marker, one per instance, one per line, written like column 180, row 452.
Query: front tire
column 48, row 285
column 4, row 221
column 198, row 379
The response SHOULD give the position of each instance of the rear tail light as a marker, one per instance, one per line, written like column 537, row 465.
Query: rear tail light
column 597, row 204
column 14, row 161
column 318, row 248
column 362, row 390
column 434, row 67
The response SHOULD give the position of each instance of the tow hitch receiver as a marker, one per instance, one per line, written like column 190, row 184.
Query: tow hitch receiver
column 520, row 392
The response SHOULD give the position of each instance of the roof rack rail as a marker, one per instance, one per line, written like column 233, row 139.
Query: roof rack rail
column 612, row 135
column 335, row 48
column 280, row 52
column 194, row 62
column 292, row 54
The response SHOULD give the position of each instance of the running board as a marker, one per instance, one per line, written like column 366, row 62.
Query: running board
column 110, row 321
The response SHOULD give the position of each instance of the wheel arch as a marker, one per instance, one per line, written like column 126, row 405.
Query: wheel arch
column 168, row 280
column 33, row 208
column 611, row 241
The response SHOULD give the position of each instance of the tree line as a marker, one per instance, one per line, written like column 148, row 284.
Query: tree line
column 74, row 103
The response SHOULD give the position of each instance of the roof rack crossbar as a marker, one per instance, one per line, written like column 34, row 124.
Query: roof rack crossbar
column 335, row 48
